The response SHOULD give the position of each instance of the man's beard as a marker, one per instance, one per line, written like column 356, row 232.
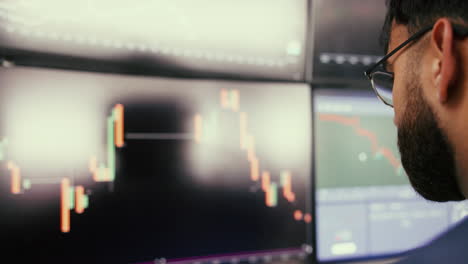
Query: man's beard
column 427, row 155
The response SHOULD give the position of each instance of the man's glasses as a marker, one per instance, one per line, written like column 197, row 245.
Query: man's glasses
column 382, row 80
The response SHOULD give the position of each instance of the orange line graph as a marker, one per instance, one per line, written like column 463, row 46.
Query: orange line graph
column 371, row 136
column 389, row 155
column 355, row 123
column 349, row 121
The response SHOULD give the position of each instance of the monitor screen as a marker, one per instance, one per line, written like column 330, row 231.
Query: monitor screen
column 366, row 207
column 101, row 168
column 346, row 38
column 244, row 39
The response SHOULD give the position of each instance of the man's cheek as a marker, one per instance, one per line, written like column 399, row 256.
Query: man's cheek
column 398, row 102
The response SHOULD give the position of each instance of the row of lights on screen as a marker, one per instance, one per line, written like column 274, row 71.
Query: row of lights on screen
column 293, row 48
column 352, row 59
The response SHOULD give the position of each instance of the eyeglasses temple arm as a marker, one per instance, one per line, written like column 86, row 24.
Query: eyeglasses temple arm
column 415, row 36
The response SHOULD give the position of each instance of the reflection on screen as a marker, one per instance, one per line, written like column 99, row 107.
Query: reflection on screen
column 365, row 204
column 118, row 169
column 261, row 38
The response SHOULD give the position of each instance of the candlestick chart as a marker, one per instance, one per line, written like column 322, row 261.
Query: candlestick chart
column 117, row 167
column 74, row 197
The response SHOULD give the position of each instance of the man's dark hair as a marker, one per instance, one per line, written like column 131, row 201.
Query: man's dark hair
column 416, row 14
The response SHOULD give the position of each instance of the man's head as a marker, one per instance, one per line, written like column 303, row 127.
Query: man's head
column 429, row 94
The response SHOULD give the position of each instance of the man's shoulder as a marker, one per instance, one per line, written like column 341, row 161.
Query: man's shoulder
column 450, row 247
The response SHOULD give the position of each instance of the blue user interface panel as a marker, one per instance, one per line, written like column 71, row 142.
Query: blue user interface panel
column 366, row 207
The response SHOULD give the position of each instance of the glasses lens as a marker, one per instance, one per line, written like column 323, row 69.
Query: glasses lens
column 383, row 85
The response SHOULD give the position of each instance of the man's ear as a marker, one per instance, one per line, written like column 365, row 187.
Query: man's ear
column 443, row 60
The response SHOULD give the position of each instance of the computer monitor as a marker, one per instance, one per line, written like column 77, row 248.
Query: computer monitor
column 103, row 168
column 366, row 207
column 345, row 39
column 258, row 39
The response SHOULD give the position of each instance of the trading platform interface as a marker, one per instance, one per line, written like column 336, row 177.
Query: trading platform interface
column 120, row 169
column 365, row 204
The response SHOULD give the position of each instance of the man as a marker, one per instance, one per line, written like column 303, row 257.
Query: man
column 424, row 77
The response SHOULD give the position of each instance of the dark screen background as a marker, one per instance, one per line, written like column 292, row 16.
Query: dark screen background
column 171, row 198
column 346, row 38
